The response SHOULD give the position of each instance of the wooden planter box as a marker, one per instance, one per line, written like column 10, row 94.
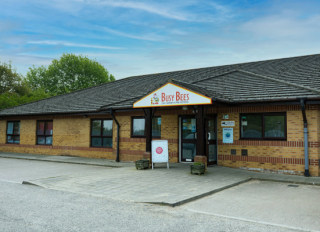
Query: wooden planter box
column 198, row 169
column 142, row 164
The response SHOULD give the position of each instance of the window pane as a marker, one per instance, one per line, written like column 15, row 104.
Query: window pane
column 41, row 140
column 10, row 128
column 138, row 126
column 16, row 139
column 40, row 130
column 251, row 126
column 96, row 128
column 16, row 128
column 107, row 142
column 107, row 128
column 96, row 142
column 189, row 128
column 9, row 139
column 156, row 127
column 274, row 126
column 49, row 128
column 49, row 140
column 188, row 151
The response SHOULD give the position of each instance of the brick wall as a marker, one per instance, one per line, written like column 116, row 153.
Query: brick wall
column 71, row 136
column 280, row 156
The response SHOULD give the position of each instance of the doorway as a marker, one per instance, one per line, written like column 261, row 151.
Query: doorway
column 188, row 135
column 211, row 139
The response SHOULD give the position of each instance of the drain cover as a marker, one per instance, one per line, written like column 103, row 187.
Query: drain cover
column 293, row 185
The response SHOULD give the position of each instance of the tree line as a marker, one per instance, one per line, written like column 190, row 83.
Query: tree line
column 69, row 73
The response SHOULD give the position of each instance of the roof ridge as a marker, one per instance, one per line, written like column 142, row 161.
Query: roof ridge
column 280, row 81
column 221, row 98
column 221, row 74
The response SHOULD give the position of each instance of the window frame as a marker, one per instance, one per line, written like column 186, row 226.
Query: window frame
column 101, row 132
column 44, row 135
column 262, row 115
column 12, row 121
column 138, row 136
column 143, row 136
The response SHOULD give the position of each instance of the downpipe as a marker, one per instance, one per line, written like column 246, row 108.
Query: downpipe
column 305, row 133
column 118, row 134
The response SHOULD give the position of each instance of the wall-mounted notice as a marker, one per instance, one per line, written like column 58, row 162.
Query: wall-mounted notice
column 227, row 135
column 227, row 123
column 160, row 153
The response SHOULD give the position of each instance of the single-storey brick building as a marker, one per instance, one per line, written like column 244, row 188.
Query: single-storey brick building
column 260, row 115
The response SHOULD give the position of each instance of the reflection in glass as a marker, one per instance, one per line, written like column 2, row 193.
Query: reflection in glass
column 188, row 150
column 189, row 128
column 138, row 127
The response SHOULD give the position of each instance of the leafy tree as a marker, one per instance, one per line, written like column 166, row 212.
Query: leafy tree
column 69, row 73
column 14, row 90
column 10, row 80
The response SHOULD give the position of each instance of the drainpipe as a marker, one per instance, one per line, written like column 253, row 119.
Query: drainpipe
column 305, row 132
column 118, row 134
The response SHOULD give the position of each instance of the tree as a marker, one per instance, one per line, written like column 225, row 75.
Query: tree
column 10, row 80
column 14, row 90
column 69, row 73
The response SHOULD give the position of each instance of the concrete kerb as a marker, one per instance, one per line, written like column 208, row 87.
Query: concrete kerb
column 179, row 203
column 60, row 161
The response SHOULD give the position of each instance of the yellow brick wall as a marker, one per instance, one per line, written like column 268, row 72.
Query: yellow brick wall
column 294, row 134
column 71, row 136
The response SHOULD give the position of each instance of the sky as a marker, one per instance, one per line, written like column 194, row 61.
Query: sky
column 139, row 37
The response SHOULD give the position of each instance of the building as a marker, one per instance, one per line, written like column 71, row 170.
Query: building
column 260, row 115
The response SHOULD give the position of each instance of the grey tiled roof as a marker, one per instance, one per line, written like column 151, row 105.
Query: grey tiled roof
column 271, row 80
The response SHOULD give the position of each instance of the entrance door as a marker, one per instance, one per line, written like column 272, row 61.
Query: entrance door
column 188, row 138
column 211, row 141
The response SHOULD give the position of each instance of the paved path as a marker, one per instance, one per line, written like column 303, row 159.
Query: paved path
column 161, row 186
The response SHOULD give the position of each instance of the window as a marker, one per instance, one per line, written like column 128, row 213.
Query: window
column 101, row 133
column 44, row 132
column 138, row 127
column 263, row 126
column 13, row 132
column 156, row 127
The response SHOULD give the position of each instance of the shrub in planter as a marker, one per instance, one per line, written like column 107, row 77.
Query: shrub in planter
column 198, row 168
column 142, row 164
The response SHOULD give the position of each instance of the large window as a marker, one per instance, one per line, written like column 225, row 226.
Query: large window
column 13, row 132
column 138, row 127
column 263, row 126
column 101, row 133
column 44, row 132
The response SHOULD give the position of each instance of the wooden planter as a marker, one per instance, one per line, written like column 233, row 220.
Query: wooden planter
column 142, row 164
column 198, row 169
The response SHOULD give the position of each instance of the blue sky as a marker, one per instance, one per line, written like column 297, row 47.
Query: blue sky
column 139, row 37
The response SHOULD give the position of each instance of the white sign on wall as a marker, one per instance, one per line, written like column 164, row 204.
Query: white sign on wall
column 227, row 123
column 160, row 152
column 172, row 95
column 227, row 135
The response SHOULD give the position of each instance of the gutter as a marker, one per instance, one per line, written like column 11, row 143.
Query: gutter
column 305, row 132
column 118, row 134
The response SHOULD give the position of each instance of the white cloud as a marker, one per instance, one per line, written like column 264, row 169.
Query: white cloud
column 68, row 44
column 149, row 37
column 280, row 26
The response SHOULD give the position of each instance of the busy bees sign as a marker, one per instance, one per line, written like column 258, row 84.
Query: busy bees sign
column 172, row 95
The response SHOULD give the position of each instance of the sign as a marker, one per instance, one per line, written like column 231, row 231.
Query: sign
column 172, row 95
column 227, row 123
column 227, row 135
column 225, row 116
column 159, row 151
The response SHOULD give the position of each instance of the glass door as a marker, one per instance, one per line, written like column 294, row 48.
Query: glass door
column 188, row 138
column 211, row 141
